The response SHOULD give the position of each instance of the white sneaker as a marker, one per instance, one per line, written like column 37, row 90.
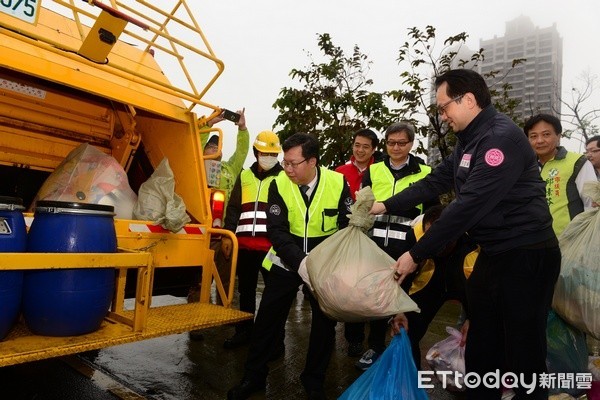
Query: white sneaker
column 367, row 360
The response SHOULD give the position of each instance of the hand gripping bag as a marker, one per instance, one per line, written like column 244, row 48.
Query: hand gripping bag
column 351, row 277
column 577, row 290
column 392, row 376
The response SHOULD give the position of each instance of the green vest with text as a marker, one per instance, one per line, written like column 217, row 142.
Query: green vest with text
column 561, row 191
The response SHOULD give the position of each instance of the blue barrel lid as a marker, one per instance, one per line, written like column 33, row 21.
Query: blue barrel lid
column 53, row 206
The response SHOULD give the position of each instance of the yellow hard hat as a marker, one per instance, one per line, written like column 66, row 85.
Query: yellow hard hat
column 267, row 142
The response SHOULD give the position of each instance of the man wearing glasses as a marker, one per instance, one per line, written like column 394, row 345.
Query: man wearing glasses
column 500, row 202
column 392, row 232
column 307, row 204
column 592, row 152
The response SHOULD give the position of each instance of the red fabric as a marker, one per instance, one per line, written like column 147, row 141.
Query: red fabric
column 594, row 392
column 256, row 243
column 353, row 175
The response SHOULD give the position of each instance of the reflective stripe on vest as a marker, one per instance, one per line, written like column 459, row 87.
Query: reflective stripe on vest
column 272, row 259
column 388, row 233
column 393, row 219
column 255, row 193
column 385, row 186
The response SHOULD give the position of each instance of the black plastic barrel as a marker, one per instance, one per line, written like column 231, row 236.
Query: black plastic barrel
column 13, row 239
column 69, row 302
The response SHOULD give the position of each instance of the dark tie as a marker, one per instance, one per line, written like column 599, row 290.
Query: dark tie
column 303, row 190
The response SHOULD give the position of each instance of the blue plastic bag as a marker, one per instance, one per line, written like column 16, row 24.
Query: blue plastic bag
column 392, row 376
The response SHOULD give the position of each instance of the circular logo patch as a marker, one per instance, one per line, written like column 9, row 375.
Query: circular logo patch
column 494, row 157
column 275, row 210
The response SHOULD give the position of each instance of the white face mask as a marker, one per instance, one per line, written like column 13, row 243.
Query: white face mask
column 267, row 162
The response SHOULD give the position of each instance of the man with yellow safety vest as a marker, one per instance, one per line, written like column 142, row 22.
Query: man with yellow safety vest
column 307, row 205
column 247, row 216
column 564, row 171
column 392, row 232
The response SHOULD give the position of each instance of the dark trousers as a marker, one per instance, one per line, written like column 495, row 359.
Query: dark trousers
column 248, row 268
column 280, row 291
column 429, row 299
column 509, row 296
column 354, row 332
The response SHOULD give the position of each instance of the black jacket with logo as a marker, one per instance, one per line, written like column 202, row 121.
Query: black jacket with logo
column 500, row 199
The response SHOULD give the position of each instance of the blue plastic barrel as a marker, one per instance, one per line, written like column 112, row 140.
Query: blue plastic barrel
column 69, row 302
column 13, row 239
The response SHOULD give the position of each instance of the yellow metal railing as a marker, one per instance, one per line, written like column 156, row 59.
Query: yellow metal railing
column 122, row 261
column 167, row 29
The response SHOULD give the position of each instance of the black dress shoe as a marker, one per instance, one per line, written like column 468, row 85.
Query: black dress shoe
column 238, row 339
column 245, row 389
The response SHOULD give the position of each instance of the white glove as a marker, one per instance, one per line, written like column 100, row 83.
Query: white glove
column 303, row 272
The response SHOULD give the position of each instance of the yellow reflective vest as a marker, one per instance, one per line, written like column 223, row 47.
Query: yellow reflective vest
column 319, row 219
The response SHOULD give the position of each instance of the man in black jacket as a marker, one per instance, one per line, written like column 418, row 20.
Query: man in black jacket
column 500, row 202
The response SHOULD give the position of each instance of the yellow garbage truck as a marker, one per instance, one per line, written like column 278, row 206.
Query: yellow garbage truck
column 128, row 77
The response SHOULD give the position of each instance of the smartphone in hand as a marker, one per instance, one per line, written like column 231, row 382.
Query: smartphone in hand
column 231, row 116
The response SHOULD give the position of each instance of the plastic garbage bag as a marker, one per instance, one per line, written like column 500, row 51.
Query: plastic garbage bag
column 567, row 351
column 351, row 276
column 392, row 376
column 158, row 202
column 449, row 355
column 87, row 175
column 577, row 290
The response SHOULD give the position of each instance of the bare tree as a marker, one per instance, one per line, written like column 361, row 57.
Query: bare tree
column 580, row 114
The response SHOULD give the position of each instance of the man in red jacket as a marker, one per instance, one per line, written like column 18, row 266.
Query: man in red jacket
column 364, row 144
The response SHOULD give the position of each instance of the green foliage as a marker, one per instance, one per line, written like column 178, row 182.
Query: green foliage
column 420, row 62
column 334, row 99
column 333, row 102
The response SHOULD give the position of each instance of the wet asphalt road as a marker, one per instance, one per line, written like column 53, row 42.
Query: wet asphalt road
column 177, row 368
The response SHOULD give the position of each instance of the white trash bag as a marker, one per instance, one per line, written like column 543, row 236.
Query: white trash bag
column 351, row 277
column 577, row 290
column 448, row 355
column 158, row 202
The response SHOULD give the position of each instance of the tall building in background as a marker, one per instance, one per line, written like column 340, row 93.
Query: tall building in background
column 537, row 82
